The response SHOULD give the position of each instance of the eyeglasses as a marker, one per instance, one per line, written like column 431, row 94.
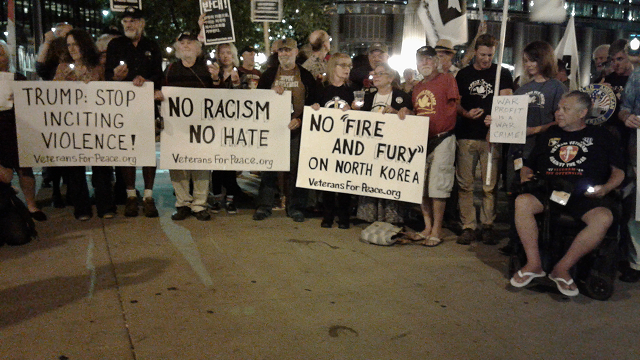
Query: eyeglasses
column 346, row 66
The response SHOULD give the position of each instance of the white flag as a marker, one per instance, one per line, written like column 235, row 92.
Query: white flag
column 550, row 11
column 444, row 19
column 569, row 46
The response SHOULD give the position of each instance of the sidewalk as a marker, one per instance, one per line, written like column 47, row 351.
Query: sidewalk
column 235, row 288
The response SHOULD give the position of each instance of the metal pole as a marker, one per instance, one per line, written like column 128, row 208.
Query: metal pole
column 267, row 43
column 503, row 32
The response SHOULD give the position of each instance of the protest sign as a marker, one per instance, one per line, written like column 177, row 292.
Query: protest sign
column 120, row 5
column 363, row 153
column 509, row 119
column 218, row 129
column 6, row 92
column 266, row 10
column 218, row 22
column 70, row 123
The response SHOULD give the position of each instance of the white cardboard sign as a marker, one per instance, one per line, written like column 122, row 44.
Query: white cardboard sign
column 509, row 119
column 363, row 153
column 222, row 129
column 70, row 123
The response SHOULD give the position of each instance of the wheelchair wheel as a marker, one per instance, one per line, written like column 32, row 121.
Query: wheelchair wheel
column 598, row 286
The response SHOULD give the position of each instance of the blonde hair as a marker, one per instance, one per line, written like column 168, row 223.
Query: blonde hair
column 234, row 52
column 333, row 63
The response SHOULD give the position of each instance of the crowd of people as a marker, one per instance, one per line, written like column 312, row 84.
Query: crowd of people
column 457, row 97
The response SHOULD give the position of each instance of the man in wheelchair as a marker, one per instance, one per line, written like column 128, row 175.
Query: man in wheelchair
column 586, row 157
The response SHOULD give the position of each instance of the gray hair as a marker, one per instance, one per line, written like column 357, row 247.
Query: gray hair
column 602, row 48
column 234, row 52
column 179, row 54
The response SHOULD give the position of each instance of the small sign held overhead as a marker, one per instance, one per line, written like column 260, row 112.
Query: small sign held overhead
column 120, row 5
column 218, row 22
column 266, row 10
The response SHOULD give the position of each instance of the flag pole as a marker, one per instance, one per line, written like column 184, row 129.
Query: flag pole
column 496, row 92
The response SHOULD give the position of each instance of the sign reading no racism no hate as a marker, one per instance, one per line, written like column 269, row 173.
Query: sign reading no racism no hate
column 363, row 153
column 120, row 5
column 266, row 10
column 218, row 22
column 218, row 129
column 70, row 123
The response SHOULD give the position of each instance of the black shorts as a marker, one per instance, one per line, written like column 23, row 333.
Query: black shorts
column 578, row 204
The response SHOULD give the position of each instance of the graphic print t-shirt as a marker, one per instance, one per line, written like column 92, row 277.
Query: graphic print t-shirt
column 583, row 157
column 291, row 80
column 477, row 91
column 336, row 97
column 437, row 100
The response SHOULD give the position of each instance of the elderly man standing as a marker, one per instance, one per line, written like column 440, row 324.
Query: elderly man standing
column 189, row 71
column 476, row 83
column 436, row 96
column 586, row 157
column 320, row 47
column 287, row 76
column 136, row 58
column 361, row 77
column 600, row 58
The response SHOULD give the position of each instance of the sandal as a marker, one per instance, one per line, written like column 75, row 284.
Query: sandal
column 432, row 241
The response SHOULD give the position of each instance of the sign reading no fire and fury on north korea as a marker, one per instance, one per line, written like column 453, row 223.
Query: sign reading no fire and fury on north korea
column 70, row 123
column 218, row 129
column 363, row 153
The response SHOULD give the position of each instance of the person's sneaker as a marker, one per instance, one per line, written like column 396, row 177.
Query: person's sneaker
column 181, row 213
column 202, row 215
column 297, row 216
column 231, row 208
column 131, row 207
column 489, row 236
column 109, row 215
column 326, row 223
column 149, row 206
column 343, row 225
column 215, row 207
column 84, row 217
column 467, row 237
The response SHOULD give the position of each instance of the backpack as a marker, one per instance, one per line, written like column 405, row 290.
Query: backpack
column 16, row 225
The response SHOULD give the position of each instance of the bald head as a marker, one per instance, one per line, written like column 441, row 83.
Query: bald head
column 320, row 41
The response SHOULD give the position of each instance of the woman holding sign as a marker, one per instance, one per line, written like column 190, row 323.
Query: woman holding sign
column 337, row 94
column 81, row 62
column 388, row 99
column 224, row 73
column 8, row 138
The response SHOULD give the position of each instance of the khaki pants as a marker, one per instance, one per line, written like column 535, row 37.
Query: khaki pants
column 468, row 155
column 180, row 179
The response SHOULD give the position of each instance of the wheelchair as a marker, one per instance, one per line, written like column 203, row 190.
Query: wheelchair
column 595, row 273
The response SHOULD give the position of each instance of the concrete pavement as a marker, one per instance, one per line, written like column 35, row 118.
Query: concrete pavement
column 234, row 288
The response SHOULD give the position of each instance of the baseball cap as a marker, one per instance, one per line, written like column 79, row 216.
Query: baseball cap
column 187, row 35
column 288, row 43
column 247, row 49
column 132, row 12
column 378, row 47
column 426, row 51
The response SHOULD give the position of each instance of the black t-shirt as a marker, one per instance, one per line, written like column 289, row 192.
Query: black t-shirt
column 476, row 91
column 196, row 76
column 582, row 157
column 617, row 83
column 330, row 94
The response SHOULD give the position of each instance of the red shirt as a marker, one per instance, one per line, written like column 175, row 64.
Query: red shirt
column 437, row 99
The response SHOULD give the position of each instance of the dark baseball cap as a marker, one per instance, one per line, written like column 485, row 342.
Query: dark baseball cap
column 247, row 49
column 132, row 12
column 426, row 51
column 187, row 35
